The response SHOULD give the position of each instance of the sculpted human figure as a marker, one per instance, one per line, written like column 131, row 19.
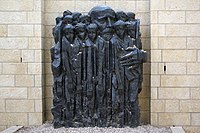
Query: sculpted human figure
column 91, row 67
column 118, row 75
column 104, row 17
column 67, row 42
column 85, row 19
column 77, row 61
column 75, row 17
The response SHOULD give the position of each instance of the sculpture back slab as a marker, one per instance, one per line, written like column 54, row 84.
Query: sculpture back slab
column 97, row 69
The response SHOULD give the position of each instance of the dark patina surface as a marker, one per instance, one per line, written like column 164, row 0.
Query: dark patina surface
column 97, row 69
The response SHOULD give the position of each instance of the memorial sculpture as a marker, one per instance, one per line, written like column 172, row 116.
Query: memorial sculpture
column 97, row 69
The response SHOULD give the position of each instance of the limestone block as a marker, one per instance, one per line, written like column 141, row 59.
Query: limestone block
column 146, row 80
column 157, row 30
column 172, row 43
column 49, row 115
column 192, row 129
column 174, row 93
column 182, row 30
column 49, row 103
column 48, row 31
column 39, row 56
column 17, row 5
column 38, row 5
column 39, row 80
column 14, row 118
column 7, row 80
column 179, row 56
column 172, row 106
column 145, row 30
column 35, row 93
column 24, row 80
column 144, row 104
column 39, row 30
column 192, row 16
column 35, row 43
column 52, row 6
column 182, row 5
column 174, row 119
column 48, row 92
column 19, row 105
column 122, row 5
column 28, row 56
column 198, row 55
column 176, row 68
column 35, row 118
column 47, row 56
column 12, row 17
column 146, row 68
column 154, row 119
column 146, row 44
column 144, row 18
column 11, row 56
column 38, row 106
column 50, row 17
column 3, row 106
column 48, row 44
column 156, row 56
column 161, row 68
column 34, row 68
column 13, row 93
column 180, row 81
column 145, row 93
column 171, row 16
column 193, row 43
column 3, row 30
column 195, row 120
column 144, row 117
column 142, row 6
column 157, row 106
column 189, row 105
column 154, row 93
column 14, row 68
column 195, row 93
column 155, row 80
column 157, row 5
column 154, row 43
column 1, row 68
column 193, row 68
column 13, row 43
column 154, row 17
column 34, row 17
column 154, row 68
column 49, row 79
column 20, row 30
column 86, row 5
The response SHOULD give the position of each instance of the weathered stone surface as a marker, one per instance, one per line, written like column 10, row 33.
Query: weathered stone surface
column 13, row 93
column 173, row 93
column 19, row 106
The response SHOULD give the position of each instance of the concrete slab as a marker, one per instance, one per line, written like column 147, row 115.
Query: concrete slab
column 177, row 129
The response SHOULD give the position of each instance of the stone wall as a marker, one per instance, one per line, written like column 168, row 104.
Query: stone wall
column 175, row 63
column 21, row 67
column 54, row 8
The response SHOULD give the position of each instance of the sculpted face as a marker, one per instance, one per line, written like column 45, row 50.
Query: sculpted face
column 69, row 32
column 92, row 31
column 104, row 17
column 120, row 28
column 80, row 30
column 131, row 29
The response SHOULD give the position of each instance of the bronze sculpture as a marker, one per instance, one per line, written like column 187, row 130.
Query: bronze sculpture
column 97, row 68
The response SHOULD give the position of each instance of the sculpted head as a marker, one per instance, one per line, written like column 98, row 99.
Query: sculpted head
column 68, row 31
column 131, row 29
column 92, row 31
column 80, row 30
column 103, row 17
column 119, row 27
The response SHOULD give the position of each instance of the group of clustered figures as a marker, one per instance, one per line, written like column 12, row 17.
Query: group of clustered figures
column 97, row 69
